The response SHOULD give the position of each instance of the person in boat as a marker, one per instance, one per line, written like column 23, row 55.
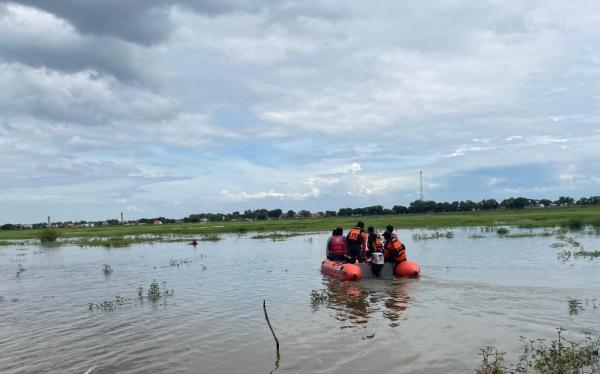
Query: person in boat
column 374, row 251
column 374, row 243
column 393, row 249
column 336, row 246
column 356, row 240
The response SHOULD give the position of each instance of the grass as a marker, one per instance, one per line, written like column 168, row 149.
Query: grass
column 525, row 218
column 558, row 356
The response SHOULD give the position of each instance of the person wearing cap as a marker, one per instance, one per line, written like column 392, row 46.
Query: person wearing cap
column 336, row 246
column 356, row 240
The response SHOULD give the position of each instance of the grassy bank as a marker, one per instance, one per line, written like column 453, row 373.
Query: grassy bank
column 526, row 218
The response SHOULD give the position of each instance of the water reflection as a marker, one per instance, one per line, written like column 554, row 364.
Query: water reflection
column 357, row 303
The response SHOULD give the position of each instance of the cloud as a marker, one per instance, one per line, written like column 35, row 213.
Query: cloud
column 353, row 168
column 82, row 97
column 163, row 105
column 39, row 39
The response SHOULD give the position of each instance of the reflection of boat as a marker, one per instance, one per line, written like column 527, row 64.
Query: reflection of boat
column 358, row 303
column 356, row 272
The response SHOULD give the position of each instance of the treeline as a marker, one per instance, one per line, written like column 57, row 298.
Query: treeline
column 417, row 206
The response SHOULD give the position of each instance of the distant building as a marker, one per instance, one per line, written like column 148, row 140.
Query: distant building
column 158, row 222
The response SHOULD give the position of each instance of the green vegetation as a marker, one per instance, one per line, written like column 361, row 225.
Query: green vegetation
column 48, row 235
column 502, row 231
column 210, row 238
column 277, row 236
column 434, row 235
column 575, row 306
column 524, row 218
column 560, row 356
column 108, row 305
column 155, row 292
column 477, row 236
column 587, row 254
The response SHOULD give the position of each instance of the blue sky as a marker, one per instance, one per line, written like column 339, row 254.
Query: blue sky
column 230, row 105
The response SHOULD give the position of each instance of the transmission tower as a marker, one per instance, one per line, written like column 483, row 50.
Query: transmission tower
column 421, row 183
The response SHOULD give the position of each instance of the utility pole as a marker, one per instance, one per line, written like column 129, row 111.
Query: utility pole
column 121, row 218
column 48, row 221
column 421, row 181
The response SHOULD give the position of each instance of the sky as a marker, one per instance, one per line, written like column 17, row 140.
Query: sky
column 174, row 107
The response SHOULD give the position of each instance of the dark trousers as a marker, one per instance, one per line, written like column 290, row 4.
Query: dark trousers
column 355, row 254
column 334, row 257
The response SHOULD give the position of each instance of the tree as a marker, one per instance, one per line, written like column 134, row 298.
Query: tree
column 261, row 214
column 399, row 209
column 330, row 213
column 291, row 214
column 275, row 213
column 304, row 213
column 488, row 204
column 564, row 201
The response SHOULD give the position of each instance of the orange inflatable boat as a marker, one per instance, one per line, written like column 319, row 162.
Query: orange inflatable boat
column 341, row 270
column 356, row 272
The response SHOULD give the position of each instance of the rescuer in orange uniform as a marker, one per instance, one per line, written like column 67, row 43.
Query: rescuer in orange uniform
column 356, row 240
column 374, row 243
column 393, row 249
column 336, row 246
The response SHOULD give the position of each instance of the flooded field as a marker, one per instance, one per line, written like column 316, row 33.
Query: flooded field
column 477, row 288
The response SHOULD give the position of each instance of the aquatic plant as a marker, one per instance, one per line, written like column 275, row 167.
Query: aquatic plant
column 276, row 236
column 434, row 235
column 48, row 235
column 575, row 306
column 564, row 255
column 210, row 238
column 587, row 254
column 109, row 305
column 477, row 236
column 558, row 356
column 318, row 297
column 155, row 292
column 179, row 262
column 502, row 231
column 107, row 269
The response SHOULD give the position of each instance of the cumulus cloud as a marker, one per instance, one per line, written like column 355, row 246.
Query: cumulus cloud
column 189, row 106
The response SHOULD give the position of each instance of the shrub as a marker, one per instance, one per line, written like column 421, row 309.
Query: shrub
column 502, row 231
column 49, row 235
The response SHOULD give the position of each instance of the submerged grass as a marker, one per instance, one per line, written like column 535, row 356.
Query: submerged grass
column 434, row 235
column 277, row 236
column 559, row 356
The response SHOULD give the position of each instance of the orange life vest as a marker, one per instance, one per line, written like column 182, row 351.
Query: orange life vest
column 395, row 248
column 337, row 245
column 378, row 244
column 355, row 234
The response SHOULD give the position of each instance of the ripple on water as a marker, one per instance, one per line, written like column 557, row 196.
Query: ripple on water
column 470, row 294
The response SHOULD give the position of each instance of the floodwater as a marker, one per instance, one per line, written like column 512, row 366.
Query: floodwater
column 472, row 292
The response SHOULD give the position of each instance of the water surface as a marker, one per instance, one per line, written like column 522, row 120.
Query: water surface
column 472, row 292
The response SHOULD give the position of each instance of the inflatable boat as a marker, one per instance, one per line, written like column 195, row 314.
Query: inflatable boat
column 356, row 272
